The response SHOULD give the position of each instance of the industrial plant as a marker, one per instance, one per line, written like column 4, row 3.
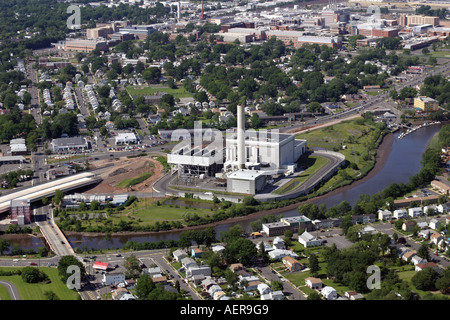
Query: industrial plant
column 236, row 161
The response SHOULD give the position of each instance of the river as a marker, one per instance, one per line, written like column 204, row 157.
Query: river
column 404, row 160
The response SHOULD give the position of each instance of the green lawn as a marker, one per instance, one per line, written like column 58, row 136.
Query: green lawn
column 180, row 92
column 135, row 180
column 4, row 294
column 28, row 291
column 313, row 164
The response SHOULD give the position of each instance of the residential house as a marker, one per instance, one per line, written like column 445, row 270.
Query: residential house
column 179, row 254
column 187, row 262
column 408, row 255
column 277, row 254
column 196, row 252
column 278, row 243
column 213, row 289
column 292, row 264
column 422, row 225
column 236, row 267
column 408, row 226
column 415, row 212
column 353, row 295
column 400, row 213
column 193, row 270
column 263, row 289
column 219, row 295
column 273, row 295
column 434, row 224
column 207, row 283
column 423, row 266
column 363, row 218
column 384, row 215
column 415, row 260
column 314, row 283
column 402, row 250
column 252, row 285
column 329, row 293
column 309, row 240
column 436, row 237
column 367, row 230
column 218, row 248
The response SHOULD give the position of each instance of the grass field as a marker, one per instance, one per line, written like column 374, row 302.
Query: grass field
column 356, row 139
column 180, row 92
column 312, row 163
column 146, row 212
column 35, row 291
column 133, row 181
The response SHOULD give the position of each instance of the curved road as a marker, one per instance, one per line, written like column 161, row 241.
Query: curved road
column 12, row 289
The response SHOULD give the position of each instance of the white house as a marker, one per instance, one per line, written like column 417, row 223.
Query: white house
column 434, row 224
column 194, row 270
column 113, row 278
column 415, row 212
column 400, row 213
column 273, row 295
column 384, row 215
column 179, row 254
column 308, row 240
column 314, row 283
column 278, row 243
column 279, row 253
column 329, row 293
column 416, row 260
column 263, row 288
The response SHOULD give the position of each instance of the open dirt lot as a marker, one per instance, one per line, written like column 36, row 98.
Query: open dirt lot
column 125, row 168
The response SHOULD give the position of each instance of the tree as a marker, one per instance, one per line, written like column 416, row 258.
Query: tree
column 33, row 275
column 65, row 262
column 144, row 286
column 4, row 245
column 314, row 265
column 50, row 295
column 58, row 197
column 152, row 74
column 240, row 250
column 423, row 251
column 132, row 266
column 314, row 296
column 425, row 279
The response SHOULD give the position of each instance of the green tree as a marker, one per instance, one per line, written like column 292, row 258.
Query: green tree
column 144, row 286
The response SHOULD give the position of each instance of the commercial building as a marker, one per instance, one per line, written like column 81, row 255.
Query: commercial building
column 139, row 32
column 289, row 223
column 18, row 147
column 426, row 104
column 126, row 138
column 69, row 144
column 297, row 39
column 84, row 45
column 20, row 212
column 414, row 20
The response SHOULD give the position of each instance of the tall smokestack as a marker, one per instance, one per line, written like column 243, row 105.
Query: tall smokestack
column 240, row 136
column 201, row 15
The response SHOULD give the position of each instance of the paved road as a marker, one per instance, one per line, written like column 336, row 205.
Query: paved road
column 12, row 290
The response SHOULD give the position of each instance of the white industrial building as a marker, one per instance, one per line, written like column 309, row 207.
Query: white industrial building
column 247, row 159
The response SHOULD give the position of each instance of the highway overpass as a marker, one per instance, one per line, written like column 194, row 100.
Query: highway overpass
column 48, row 189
